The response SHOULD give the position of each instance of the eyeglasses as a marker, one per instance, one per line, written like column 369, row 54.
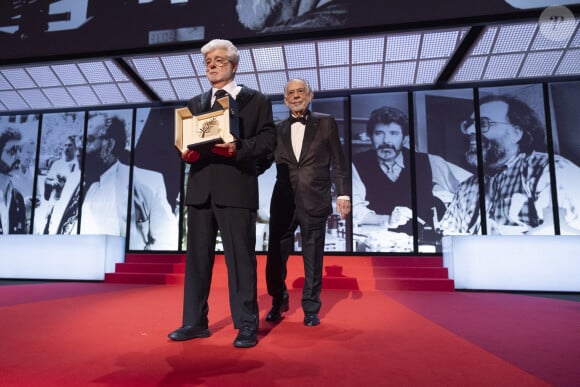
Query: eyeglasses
column 484, row 124
column 218, row 61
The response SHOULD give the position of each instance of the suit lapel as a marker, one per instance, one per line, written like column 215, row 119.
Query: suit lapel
column 244, row 96
column 286, row 137
column 205, row 101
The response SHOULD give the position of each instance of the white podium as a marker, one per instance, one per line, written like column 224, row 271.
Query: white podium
column 513, row 262
column 55, row 257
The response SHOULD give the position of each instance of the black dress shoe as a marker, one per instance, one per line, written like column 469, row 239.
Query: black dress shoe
column 188, row 332
column 275, row 314
column 247, row 337
column 311, row 320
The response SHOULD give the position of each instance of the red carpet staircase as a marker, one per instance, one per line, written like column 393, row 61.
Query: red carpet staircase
column 341, row 272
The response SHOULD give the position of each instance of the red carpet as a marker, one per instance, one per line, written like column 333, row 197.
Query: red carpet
column 82, row 334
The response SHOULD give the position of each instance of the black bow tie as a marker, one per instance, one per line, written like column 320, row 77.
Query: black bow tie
column 301, row 119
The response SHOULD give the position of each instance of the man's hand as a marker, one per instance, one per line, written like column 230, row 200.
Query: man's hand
column 225, row 150
column 343, row 207
column 190, row 156
column 400, row 216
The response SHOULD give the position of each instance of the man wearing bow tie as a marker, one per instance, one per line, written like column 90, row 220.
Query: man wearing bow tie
column 308, row 151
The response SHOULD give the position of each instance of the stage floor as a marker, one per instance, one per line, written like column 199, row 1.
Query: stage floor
column 92, row 333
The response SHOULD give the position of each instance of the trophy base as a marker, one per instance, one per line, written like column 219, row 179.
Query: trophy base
column 204, row 148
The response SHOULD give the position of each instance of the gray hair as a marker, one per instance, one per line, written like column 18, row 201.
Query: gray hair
column 306, row 84
column 215, row 44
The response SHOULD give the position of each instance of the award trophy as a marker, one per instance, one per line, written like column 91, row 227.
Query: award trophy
column 202, row 132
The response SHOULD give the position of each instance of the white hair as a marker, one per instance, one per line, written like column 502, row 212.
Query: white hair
column 215, row 44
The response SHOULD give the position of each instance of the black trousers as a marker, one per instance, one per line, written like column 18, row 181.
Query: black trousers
column 237, row 228
column 283, row 224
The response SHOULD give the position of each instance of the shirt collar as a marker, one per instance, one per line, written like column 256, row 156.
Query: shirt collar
column 232, row 89
column 398, row 161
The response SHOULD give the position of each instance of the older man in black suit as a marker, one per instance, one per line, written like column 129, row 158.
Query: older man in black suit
column 222, row 194
column 308, row 151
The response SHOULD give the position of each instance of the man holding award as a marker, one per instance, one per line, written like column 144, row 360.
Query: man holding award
column 222, row 192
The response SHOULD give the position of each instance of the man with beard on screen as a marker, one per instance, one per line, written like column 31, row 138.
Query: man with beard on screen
column 518, row 194
column 382, row 176
column 278, row 15
column 12, row 206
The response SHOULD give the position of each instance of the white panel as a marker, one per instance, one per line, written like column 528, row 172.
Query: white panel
column 35, row 97
column 471, row 69
column 59, row 97
column 541, row 42
column 368, row 50
column 149, row 68
column 246, row 64
column 69, row 74
column 503, row 66
column 514, row 38
column 368, row 76
column 109, row 93
column 309, row 75
column 132, row 93
column 198, row 63
column 402, row 47
column 398, row 74
column 95, row 72
column 249, row 80
column 334, row 78
column 43, row 76
column 269, row 58
column 13, row 101
column 300, row 55
column 272, row 82
column 570, row 64
column 178, row 66
column 439, row 44
column 84, row 95
column 576, row 40
column 51, row 257
column 429, row 70
column 514, row 263
column 18, row 78
column 116, row 72
column 485, row 43
column 163, row 89
column 333, row 53
column 539, row 64
column 186, row 88
column 4, row 85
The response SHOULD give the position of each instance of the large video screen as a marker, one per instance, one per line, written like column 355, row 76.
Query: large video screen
column 42, row 28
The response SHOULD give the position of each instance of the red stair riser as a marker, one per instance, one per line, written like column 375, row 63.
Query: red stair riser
column 341, row 272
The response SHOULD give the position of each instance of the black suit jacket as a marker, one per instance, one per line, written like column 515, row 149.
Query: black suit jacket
column 233, row 182
column 306, row 181
column 16, row 215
